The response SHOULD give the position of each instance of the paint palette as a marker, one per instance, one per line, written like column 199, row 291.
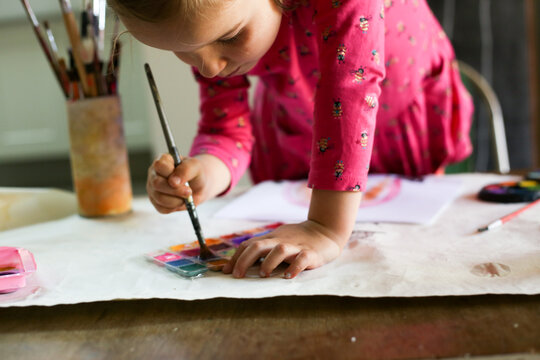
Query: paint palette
column 511, row 191
column 533, row 175
column 184, row 260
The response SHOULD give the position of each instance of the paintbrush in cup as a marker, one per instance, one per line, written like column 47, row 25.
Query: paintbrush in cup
column 205, row 252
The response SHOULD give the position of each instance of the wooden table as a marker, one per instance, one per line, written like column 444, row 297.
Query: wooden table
column 317, row 327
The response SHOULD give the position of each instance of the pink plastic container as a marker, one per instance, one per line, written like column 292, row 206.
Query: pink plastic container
column 15, row 265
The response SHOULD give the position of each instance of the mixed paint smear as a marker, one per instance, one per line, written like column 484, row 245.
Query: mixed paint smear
column 184, row 259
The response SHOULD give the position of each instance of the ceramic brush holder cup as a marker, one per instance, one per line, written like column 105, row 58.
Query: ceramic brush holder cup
column 98, row 153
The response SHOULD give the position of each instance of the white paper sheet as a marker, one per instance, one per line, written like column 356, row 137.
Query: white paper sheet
column 387, row 198
column 84, row 260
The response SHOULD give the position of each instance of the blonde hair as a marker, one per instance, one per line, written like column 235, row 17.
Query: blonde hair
column 159, row 10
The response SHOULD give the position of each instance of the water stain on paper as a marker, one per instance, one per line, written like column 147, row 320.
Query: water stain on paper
column 491, row 270
column 362, row 246
column 358, row 235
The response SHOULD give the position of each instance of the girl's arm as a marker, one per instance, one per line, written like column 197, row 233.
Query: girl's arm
column 335, row 211
column 224, row 129
column 307, row 245
column 218, row 176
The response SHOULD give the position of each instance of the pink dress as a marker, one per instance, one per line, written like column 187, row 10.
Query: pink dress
column 349, row 86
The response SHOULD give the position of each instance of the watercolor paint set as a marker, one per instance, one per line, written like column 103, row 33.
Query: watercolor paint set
column 184, row 260
column 511, row 191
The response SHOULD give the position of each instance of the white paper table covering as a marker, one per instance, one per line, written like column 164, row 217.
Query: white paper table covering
column 84, row 260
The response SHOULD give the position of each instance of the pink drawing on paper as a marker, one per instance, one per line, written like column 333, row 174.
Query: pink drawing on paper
column 378, row 190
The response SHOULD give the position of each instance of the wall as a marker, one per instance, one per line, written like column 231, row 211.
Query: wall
column 492, row 37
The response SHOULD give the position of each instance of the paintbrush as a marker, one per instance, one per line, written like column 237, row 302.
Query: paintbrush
column 44, row 47
column 506, row 218
column 205, row 252
column 75, row 40
column 99, row 9
column 93, row 51
column 112, row 73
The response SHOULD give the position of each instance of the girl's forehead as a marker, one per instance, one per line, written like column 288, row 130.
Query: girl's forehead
column 181, row 33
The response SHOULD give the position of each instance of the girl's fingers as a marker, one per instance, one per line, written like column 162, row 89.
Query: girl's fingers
column 164, row 166
column 276, row 256
column 189, row 169
column 166, row 210
column 248, row 254
column 160, row 184
column 161, row 209
column 303, row 260
column 165, row 186
column 166, row 200
column 228, row 268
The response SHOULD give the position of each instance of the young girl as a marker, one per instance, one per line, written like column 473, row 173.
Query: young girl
column 346, row 86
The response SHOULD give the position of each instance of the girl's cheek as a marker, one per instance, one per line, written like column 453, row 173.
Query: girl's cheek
column 253, row 49
column 246, row 51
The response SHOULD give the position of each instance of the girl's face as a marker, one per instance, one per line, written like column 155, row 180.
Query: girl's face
column 225, row 40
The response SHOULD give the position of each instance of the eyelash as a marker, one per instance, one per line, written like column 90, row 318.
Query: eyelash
column 232, row 40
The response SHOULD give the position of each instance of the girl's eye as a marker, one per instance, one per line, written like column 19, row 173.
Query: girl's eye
column 232, row 40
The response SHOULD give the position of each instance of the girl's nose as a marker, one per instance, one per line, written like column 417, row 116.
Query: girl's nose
column 210, row 63
column 211, row 67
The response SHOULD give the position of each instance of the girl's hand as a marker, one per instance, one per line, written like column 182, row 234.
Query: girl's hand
column 307, row 245
column 166, row 184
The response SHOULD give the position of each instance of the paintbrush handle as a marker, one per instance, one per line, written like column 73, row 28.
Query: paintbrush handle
column 173, row 150
column 75, row 40
column 510, row 216
column 190, row 205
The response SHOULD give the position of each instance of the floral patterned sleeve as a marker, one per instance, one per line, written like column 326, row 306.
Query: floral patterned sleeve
column 351, row 60
column 224, row 128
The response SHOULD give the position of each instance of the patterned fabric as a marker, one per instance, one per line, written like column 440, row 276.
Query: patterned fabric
column 346, row 84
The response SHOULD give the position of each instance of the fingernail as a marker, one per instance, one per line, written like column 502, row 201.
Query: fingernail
column 175, row 180
column 287, row 275
column 236, row 273
column 262, row 274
